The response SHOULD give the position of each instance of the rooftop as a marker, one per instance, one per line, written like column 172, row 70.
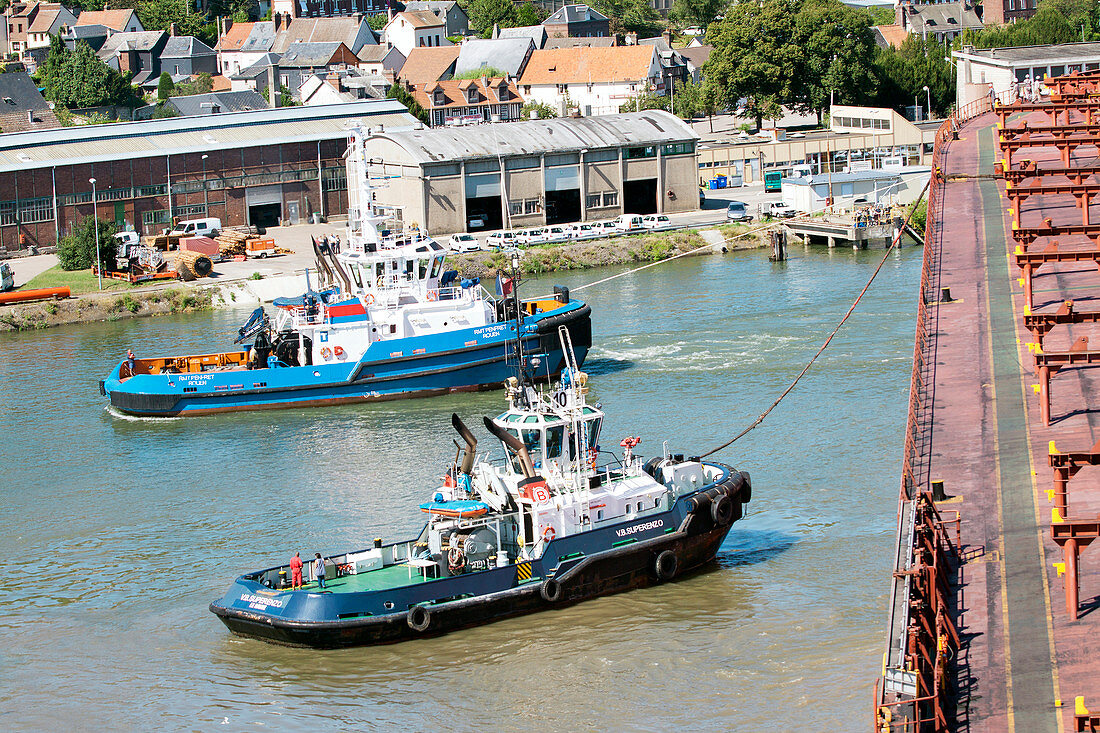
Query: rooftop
column 202, row 104
column 505, row 54
column 113, row 19
column 131, row 41
column 68, row 145
column 588, row 64
column 428, row 64
column 419, row 18
column 1034, row 54
column 574, row 14
column 185, row 47
column 541, row 136
column 310, row 54
column 323, row 30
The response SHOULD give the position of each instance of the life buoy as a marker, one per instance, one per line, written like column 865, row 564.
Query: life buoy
column 368, row 299
column 338, row 351
column 548, row 534
column 326, row 352
column 433, row 295
column 456, row 559
column 593, row 454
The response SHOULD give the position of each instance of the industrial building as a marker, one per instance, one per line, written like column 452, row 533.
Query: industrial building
column 980, row 71
column 257, row 167
column 524, row 174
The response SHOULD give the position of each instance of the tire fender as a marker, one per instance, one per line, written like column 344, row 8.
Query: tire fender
column 666, row 565
column 721, row 510
column 551, row 590
column 419, row 618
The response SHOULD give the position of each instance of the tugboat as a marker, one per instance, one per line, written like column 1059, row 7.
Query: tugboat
column 539, row 523
column 392, row 323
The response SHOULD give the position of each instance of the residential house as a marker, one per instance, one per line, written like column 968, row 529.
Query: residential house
column 300, row 61
column 22, row 107
column 242, row 44
column 577, row 21
column 264, row 69
column 455, row 20
column 185, row 56
column 352, row 32
column 674, row 69
column 694, row 57
column 48, row 21
column 429, row 64
column 537, row 33
column 593, row 81
column 137, row 53
column 216, row 103
column 469, row 101
column 380, row 60
column 890, row 36
column 29, row 25
column 339, row 86
column 94, row 35
column 117, row 21
column 417, row 29
column 506, row 55
column 589, row 41
column 999, row 12
column 941, row 22
column 328, row 8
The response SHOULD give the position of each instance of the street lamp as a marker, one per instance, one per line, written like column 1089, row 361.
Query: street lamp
column 928, row 95
column 205, row 202
column 95, row 216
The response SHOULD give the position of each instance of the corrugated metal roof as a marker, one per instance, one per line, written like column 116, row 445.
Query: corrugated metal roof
column 541, row 136
column 129, row 140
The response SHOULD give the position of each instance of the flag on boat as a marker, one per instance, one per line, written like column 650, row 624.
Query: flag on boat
column 504, row 285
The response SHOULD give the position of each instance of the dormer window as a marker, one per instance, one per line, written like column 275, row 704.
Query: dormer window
column 472, row 96
column 438, row 97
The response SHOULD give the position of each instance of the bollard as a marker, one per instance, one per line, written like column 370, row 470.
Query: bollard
column 938, row 493
column 945, row 295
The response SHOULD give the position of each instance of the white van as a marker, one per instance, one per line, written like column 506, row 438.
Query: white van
column 211, row 227
column 629, row 223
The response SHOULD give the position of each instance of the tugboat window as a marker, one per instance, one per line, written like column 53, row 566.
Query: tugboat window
column 554, row 437
column 423, row 268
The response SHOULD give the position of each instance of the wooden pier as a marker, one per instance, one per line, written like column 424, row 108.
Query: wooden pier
column 842, row 231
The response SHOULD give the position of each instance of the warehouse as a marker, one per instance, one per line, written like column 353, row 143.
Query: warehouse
column 554, row 171
column 257, row 167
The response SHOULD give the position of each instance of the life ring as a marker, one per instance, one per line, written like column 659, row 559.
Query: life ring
column 418, row 618
column 593, row 454
column 338, row 351
column 433, row 295
column 456, row 559
column 368, row 299
column 666, row 565
column 326, row 353
column 548, row 534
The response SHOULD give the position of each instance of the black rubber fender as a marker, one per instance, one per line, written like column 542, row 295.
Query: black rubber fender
column 721, row 510
column 666, row 565
column 650, row 466
column 551, row 590
column 419, row 618
column 746, row 487
column 699, row 503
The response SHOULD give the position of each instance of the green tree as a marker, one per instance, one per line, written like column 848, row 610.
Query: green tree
column 903, row 73
column 160, row 14
column 645, row 100
column 55, row 63
column 838, row 55
column 402, row 95
column 164, row 86
column 755, row 57
column 286, row 99
column 880, row 15
column 697, row 12
column 542, row 110
column 628, row 16
column 77, row 251
column 202, row 84
column 530, row 14
column 378, row 21
column 490, row 72
column 485, row 13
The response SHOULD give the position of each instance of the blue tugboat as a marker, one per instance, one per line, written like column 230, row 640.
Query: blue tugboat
column 538, row 523
column 392, row 323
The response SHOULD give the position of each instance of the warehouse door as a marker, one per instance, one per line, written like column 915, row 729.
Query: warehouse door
column 265, row 205
column 640, row 197
column 563, row 194
column 483, row 202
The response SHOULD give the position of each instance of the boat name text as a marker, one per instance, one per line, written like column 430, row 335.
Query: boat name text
column 261, row 603
column 655, row 524
column 491, row 331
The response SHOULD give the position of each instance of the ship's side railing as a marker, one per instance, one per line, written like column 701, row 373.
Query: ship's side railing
column 912, row 694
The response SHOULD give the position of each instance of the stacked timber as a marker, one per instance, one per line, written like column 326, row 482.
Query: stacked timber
column 231, row 243
column 193, row 265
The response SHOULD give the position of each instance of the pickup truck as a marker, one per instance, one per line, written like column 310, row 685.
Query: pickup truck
column 777, row 209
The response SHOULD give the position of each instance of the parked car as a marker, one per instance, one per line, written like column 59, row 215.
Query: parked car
column 463, row 243
column 777, row 209
column 209, row 227
column 629, row 223
column 584, row 231
column 555, row 233
column 476, row 221
column 530, row 236
column 738, row 211
column 501, row 240
column 655, row 222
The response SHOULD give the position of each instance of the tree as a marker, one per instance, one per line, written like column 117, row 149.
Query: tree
column 838, row 55
column 902, row 73
column 378, row 21
column 55, row 63
column 78, row 79
column 489, row 72
column 77, row 251
column 631, row 16
column 645, row 100
column 542, row 110
column 402, row 95
column 160, row 14
column 201, row 84
column 286, row 99
column 755, row 57
column 530, row 14
column 699, row 13
column 484, row 14
column 164, row 86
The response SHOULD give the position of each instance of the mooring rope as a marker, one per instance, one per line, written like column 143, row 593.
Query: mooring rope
column 787, row 391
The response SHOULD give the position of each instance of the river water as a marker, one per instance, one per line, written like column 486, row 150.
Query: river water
column 119, row 532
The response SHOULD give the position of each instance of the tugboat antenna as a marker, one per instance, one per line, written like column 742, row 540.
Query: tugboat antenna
column 521, row 357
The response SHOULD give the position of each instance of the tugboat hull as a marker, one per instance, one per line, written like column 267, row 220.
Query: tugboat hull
column 698, row 533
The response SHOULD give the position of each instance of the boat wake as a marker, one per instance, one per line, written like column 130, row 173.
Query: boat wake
column 110, row 410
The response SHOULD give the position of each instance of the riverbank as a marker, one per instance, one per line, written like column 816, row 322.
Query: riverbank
column 176, row 297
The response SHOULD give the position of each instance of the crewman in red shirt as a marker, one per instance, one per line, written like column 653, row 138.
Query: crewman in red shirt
column 295, row 572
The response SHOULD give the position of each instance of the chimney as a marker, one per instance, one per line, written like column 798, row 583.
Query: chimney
column 272, row 90
column 668, row 37
column 632, row 39
column 172, row 29
column 30, row 116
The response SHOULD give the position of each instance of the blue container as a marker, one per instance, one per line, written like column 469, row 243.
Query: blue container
column 721, row 181
column 713, row 184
